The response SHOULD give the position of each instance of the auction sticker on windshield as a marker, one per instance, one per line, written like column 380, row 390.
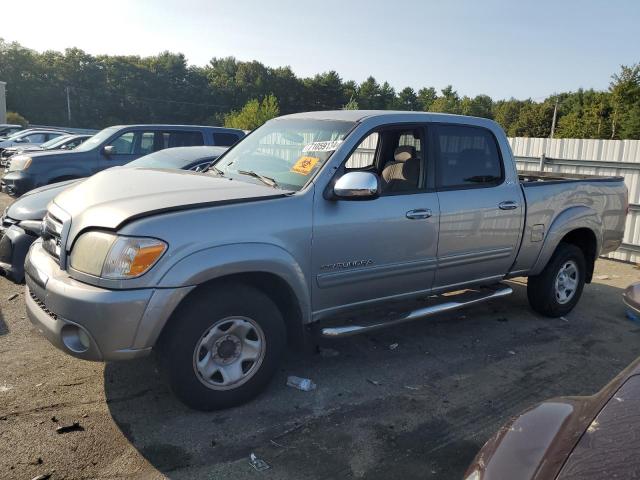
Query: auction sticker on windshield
column 304, row 165
column 322, row 146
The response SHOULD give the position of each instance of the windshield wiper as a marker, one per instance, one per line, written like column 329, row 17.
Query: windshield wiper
column 266, row 180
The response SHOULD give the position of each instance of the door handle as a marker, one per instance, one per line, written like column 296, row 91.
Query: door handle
column 419, row 214
column 508, row 205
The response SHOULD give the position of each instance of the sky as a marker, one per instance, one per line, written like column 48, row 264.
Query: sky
column 502, row 48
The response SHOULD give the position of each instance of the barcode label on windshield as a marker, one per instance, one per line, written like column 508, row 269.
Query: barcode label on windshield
column 322, row 146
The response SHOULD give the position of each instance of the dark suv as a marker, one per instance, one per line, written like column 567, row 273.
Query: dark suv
column 110, row 147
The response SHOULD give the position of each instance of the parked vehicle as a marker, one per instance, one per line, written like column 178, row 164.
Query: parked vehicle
column 569, row 438
column 631, row 298
column 63, row 142
column 30, row 136
column 111, row 147
column 309, row 217
column 8, row 129
column 21, row 222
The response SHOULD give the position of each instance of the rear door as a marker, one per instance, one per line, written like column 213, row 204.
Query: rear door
column 481, row 213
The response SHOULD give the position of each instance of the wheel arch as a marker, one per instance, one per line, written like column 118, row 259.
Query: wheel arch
column 580, row 226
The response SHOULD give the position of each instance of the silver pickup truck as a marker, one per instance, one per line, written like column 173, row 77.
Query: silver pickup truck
column 310, row 219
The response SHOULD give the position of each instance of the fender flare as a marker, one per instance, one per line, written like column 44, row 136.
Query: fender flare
column 221, row 261
column 573, row 218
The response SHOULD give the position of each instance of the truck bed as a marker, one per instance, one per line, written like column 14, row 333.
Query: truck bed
column 529, row 179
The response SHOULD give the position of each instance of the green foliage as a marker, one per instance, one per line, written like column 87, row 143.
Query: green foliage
column 253, row 114
column 17, row 119
column 106, row 90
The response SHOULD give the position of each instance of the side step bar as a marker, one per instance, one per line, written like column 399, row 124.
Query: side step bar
column 466, row 299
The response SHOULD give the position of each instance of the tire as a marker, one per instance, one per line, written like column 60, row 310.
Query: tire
column 217, row 325
column 548, row 293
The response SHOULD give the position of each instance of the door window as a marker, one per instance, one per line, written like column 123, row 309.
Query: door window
column 365, row 154
column 124, row 144
column 182, row 139
column 224, row 139
column 35, row 138
column 146, row 143
column 467, row 157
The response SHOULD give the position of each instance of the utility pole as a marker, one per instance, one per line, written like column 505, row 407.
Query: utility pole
column 68, row 107
column 553, row 122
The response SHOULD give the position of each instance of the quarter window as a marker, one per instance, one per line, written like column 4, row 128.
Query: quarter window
column 467, row 157
column 182, row 139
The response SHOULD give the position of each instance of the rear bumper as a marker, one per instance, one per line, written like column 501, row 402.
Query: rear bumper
column 89, row 322
column 16, row 183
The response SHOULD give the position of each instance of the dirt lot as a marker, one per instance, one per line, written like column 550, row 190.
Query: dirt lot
column 420, row 410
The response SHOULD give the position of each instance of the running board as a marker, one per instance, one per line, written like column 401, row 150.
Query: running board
column 465, row 299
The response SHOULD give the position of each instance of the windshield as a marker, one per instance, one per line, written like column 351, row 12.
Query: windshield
column 16, row 135
column 287, row 152
column 54, row 141
column 97, row 139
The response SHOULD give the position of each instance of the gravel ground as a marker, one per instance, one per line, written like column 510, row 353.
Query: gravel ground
column 419, row 410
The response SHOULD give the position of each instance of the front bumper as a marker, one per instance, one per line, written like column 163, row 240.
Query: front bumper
column 89, row 322
column 14, row 245
column 16, row 183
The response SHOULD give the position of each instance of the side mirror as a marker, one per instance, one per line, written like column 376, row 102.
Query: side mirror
column 357, row 186
column 109, row 150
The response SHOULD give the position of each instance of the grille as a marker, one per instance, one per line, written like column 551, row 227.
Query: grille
column 41, row 304
column 51, row 235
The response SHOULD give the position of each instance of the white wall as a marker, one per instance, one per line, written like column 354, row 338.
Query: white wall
column 3, row 103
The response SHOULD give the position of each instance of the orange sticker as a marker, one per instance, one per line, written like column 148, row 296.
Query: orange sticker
column 304, row 165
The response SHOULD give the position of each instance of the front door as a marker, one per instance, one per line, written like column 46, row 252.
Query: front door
column 381, row 248
column 481, row 213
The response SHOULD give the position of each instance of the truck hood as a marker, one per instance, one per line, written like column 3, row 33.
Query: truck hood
column 117, row 195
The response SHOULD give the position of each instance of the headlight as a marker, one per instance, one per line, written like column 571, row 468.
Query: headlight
column 19, row 162
column 112, row 256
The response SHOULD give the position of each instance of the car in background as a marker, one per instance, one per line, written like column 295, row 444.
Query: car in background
column 8, row 129
column 20, row 224
column 113, row 146
column 631, row 299
column 569, row 438
column 64, row 142
column 36, row 136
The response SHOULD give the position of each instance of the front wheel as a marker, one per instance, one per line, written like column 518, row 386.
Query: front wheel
column 557, row 289
column 222, row 347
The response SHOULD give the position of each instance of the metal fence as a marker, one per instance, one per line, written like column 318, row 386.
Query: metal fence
column 591, row 157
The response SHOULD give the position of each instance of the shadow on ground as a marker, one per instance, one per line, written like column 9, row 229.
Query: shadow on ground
column 422, row 409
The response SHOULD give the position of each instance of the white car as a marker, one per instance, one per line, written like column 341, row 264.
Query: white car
column 35, row 136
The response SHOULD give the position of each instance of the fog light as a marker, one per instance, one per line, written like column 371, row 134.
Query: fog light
column 75, row 339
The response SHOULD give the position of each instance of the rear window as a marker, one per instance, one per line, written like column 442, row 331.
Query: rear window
column 224, row 139
column 467, row 157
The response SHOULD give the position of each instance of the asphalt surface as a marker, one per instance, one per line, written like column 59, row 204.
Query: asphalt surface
column 420, row 409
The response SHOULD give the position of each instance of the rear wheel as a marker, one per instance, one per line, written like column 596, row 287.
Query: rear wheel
column 557, row 289
column 222, row 347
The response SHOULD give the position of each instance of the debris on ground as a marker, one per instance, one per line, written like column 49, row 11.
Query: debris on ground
column 257, row 463
column 328, row 352
column 511, row 352
column 54, row 419
column 44, row 476
column 632, row 316
column 303, row 384
column 74, row 427
column 602, row 277
column 502, row 319
column 5, row 388
column 393, row 346
column 15, row 295
column 410, row 387
column 374, row 382
column 564, row 319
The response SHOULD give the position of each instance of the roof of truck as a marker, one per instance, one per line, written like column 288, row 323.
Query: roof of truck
column 358, row 115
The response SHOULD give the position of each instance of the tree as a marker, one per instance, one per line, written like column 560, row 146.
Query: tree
column 253, row 114
column 625, row 90
column 426, row 96
column 351, row 105
column 449, row 102
column 408, row 100
column 17, row 119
